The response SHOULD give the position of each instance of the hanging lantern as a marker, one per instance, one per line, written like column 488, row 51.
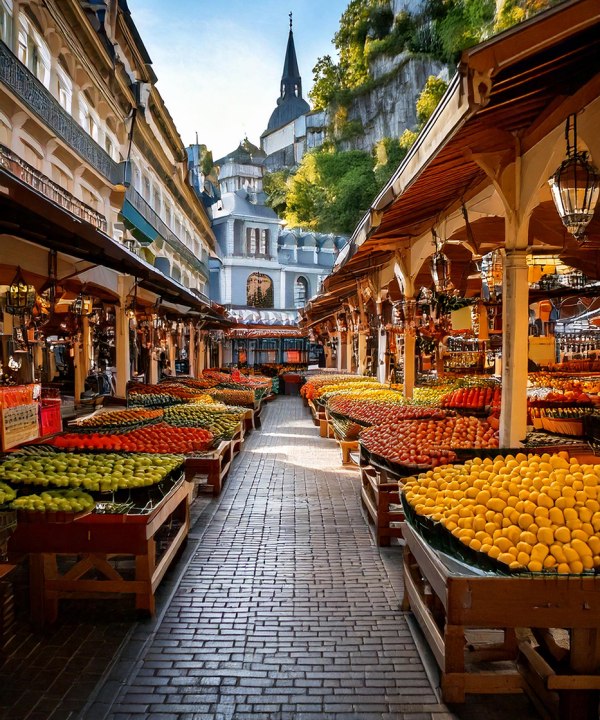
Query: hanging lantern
column 575, row 186
column 20, row 297
column 131, row 309
column 492, row 274
column 440, row 267
column 82, row 305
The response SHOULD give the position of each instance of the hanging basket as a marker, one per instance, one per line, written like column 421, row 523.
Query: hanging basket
column 20, row 297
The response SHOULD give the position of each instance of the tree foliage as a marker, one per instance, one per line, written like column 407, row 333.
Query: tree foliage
column 275, row 187
column 429, row 98
column 330, row 191
column 326, row 82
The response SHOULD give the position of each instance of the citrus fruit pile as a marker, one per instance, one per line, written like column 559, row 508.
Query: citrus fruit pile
column 529, row 512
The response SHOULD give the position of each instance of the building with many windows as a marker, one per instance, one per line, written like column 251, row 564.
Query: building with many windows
column 94, row 177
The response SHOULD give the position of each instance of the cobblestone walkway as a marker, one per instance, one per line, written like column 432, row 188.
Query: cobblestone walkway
column 286, row 609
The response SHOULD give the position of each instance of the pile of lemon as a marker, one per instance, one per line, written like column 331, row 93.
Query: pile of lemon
column 534, row 512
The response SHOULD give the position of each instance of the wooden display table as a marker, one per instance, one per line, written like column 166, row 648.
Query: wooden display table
column 153, row 539
column 449, row 598
column 214, row 464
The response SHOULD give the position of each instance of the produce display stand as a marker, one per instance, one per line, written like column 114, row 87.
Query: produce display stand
column 97, row 540
column 455, row 605
column 214, row 464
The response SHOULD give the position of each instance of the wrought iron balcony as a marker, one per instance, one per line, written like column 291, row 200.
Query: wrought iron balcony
column 153, row 218
column 40, row 101
column 43, row 185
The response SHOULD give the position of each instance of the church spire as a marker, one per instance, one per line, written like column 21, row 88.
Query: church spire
column 291, row 82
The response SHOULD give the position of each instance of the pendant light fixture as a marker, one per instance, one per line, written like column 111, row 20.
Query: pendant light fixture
column 440, row 266
column 575, row 185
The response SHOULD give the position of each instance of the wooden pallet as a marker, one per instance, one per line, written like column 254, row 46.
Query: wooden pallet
column 449, row 602
column 377, row 496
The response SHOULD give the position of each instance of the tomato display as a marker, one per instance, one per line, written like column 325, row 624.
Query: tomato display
column 474, row 398
column 158, row 438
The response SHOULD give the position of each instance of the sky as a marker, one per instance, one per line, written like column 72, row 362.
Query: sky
column 219, row 63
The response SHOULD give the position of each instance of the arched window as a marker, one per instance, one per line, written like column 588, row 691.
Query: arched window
column 300, row 292
column 259, row 291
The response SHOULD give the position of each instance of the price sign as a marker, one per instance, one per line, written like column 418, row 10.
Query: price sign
column 19, row 425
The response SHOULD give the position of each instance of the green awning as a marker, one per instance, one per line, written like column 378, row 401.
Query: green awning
column 137, row 224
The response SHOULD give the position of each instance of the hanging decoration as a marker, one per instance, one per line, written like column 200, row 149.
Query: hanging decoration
column 131, row 309
column 82, row 306
column 575, row 186
column 440, row 266
column 20, row 296
column 491, row 275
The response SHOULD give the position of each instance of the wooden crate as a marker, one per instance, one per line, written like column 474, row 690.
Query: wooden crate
column 214, row 464
column 96, row 541
column 450, row 600
column 377, row 496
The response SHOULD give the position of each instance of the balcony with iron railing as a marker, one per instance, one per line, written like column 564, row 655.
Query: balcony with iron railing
column 42, row 184
column 164, row 231
column 42, row 103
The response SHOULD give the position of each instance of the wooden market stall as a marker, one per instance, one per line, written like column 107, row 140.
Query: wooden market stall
column 469, row 214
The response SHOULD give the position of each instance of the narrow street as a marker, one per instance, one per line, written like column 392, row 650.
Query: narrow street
column 286, row 609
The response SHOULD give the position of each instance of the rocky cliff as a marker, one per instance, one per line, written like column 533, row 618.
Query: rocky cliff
column 387, row 107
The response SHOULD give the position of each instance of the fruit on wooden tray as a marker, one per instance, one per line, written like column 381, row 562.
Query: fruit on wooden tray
column 70, row 501
column 562, row 398
column 591, row 386
column 474, row 398
column 159, row 438
column 164, row 394
column 311, row 388
column 7, row 494
column 429, row 396
column 534, row 512
column 102, row 472
column 120, row 418
column 371, row 412
column 453, row 432
column 243, row 398
column 222, row 422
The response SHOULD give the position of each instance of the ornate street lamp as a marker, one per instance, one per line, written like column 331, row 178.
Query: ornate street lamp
column 440, row 267
column 575, row 186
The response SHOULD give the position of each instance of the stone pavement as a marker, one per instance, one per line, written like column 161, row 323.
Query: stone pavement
column 285, row 609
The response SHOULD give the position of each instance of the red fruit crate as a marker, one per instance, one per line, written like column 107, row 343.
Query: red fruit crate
column 50, row 417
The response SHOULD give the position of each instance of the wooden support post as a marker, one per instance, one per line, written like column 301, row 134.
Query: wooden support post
column 410, row 342
column 192, row 351
column 362, row 352
column 515, row 351
column 122, row 338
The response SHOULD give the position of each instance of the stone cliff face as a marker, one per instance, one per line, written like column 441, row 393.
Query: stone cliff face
column 387, row 109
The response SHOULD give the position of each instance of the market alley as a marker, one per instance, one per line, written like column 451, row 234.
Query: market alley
column 286, row 609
